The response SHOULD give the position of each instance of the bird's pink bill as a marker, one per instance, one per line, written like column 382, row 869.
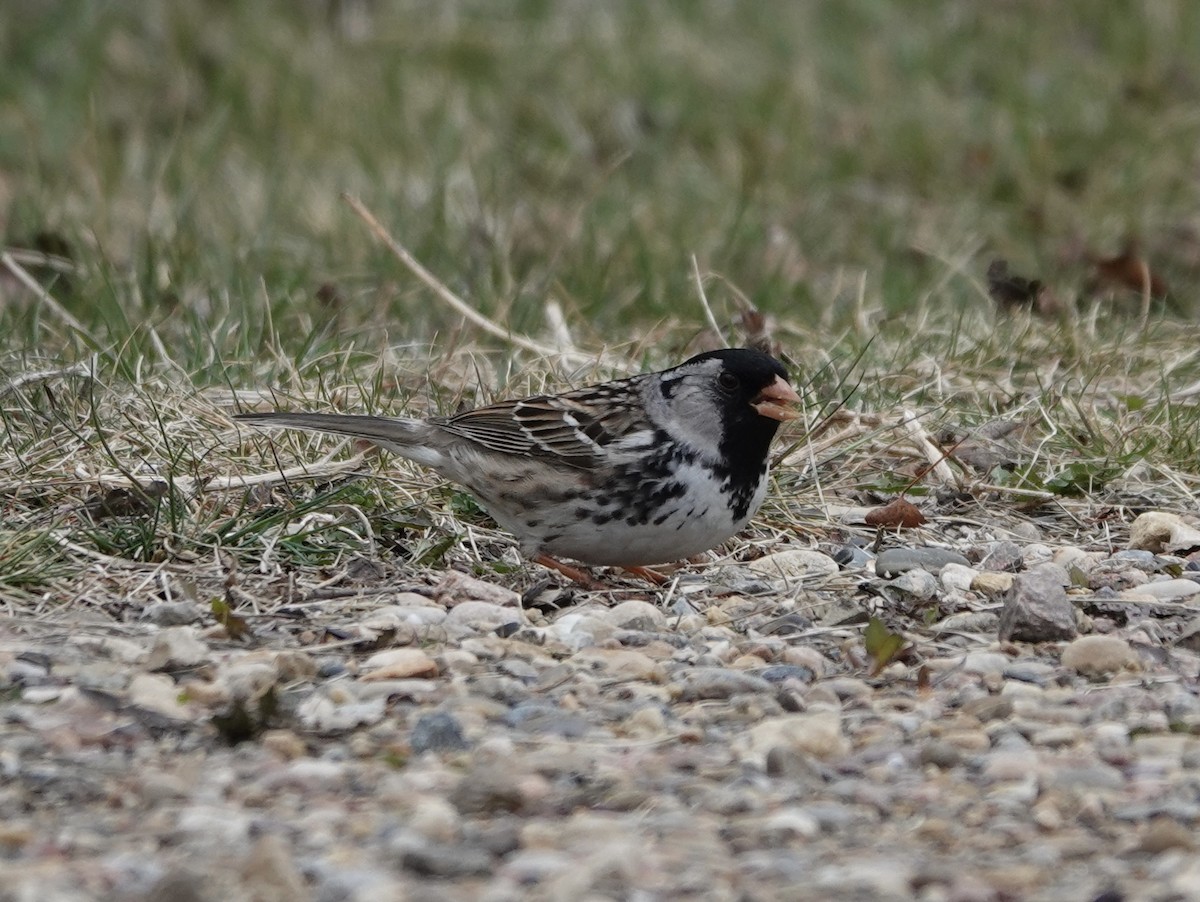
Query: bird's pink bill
column 771, row 400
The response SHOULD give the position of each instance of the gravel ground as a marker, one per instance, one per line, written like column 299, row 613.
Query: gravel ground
column 1030, row 732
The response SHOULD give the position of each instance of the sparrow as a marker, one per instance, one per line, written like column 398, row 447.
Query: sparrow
column 646, row 470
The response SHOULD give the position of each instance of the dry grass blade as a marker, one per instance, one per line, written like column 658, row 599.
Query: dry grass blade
column 22, row 275
column 85, row 370
column 401, row 253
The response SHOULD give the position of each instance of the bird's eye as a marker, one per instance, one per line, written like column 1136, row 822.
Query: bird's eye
column 728, row 381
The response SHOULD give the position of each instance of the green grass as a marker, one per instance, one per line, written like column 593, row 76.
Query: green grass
column 849, row 168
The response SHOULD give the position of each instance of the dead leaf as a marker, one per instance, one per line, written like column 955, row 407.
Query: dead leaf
column 900, row 513
column 235, row 626
column 1129, row 270
column 882, row 645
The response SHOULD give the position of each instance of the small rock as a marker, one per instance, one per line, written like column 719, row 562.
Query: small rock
column 1002, row 557
column 791, row 823
column 716, row 683
column 1095, row 656
column 779, row 673
column 1169, row 589
column 969, row 622
column 484, row 616
column 398, row 664
column 985, row 662
column 172, row 613
column 1038, row 609
column 489, row 790
column 415, row 611
column 637, row 615
column 438, row 731
column 1189, row 638
column 1057, row 736
column 941, row 754
column 958, row 578
column 992, row 583
column 806, row 657
column 795, row 564
column 456, row 587
column 1163, row 834
column 158, row 693
column 817, row 734
column 620, row 663
column 269, row 873
column 894, row 561
column 990, row 707
column 851, row 557
column 322, row 713
column 916, row 583
column 435, row 819
column 1157, row 532
column 437, row 861
column 543, row 718
column 284, row 743
column 177, row 648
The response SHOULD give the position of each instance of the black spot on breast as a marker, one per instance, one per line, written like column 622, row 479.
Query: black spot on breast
column 533, row 522
column 582, row 513
column 601, row 517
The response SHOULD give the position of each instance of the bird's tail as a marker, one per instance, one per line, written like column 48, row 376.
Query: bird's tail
column 394, row 432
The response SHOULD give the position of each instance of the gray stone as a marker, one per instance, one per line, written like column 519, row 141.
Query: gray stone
column 894, row 561
column 1002, row 556
column 1097, row 656
column 438, row 731
column 916, row 583
column 717, row 682
column 1170, row 589
column 795, row 564
column 1037, row 609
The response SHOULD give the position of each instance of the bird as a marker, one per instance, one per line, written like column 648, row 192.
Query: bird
column 650, row 469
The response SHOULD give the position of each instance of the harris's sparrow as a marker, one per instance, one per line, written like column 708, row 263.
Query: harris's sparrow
column 644, row 470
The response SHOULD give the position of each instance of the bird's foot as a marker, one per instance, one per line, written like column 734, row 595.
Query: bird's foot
column 583, row 578
column 574, row 574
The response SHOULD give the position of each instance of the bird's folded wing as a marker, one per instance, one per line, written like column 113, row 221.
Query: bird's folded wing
column 573, row 428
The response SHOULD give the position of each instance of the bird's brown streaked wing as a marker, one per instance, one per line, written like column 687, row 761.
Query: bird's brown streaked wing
column 570, row 428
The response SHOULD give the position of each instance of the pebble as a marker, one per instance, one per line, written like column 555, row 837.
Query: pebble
column 718, row 683
column 177, row 648
column 484, row 616
column 456, row 587
column 172, row 613
column 158, row 693
column 1097, row 656
column 916, row 583
column 1038, row 609
column 684, row 742
column 1001, row 557
column 795, row 564
column 637, row 615
column 894, row 561
column 438, row 731
column 818, row 734
column 957, row 578
column 992, row 583
column 1158, row 532
column 985, row 662
column 398, row 663
column 620, row 663
column 1166, row 590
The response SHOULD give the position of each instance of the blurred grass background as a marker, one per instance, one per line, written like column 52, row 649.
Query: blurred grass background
column 850, row 168
column 189, row 157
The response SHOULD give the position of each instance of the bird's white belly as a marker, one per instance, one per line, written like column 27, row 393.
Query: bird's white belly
column 700, row 519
